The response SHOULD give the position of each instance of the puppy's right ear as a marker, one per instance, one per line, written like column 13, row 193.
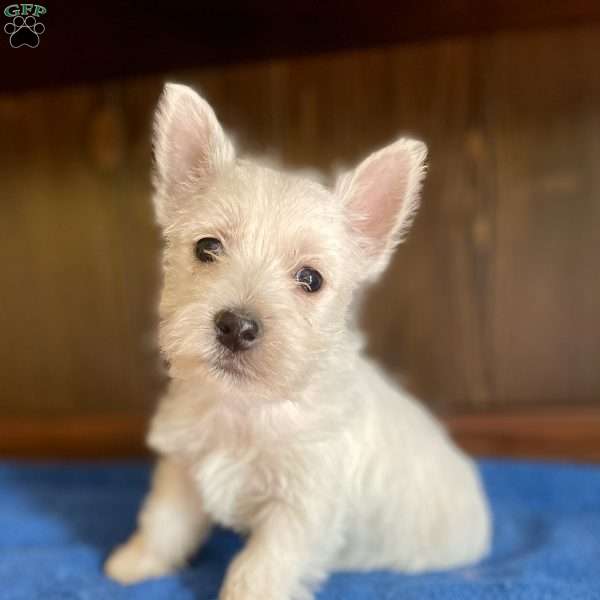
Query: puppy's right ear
column 190, row 145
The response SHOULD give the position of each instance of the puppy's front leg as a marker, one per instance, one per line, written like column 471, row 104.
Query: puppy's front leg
column 286, row 555
column 171, row 525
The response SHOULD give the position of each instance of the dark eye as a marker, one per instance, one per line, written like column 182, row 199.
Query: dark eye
column 310, row 279
column 207, row 249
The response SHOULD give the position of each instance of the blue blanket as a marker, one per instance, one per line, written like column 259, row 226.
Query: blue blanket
column 58, row 522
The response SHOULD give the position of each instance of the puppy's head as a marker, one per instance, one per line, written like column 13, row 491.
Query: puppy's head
column 260, row 266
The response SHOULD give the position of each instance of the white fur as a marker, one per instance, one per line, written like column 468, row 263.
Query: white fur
column 300, row 442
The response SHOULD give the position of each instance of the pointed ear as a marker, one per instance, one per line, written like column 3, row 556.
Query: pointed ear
column 381, row 197
column 189, row 144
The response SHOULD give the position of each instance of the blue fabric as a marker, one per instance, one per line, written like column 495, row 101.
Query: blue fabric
column 58, row 522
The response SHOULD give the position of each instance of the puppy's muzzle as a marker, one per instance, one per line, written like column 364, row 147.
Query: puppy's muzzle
column 237, row 331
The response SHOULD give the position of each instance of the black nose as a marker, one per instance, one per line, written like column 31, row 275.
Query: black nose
column 236, row 331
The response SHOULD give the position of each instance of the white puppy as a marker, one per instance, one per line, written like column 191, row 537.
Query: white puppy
column 274, row 423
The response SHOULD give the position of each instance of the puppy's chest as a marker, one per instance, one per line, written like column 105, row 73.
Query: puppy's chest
column 237, row 487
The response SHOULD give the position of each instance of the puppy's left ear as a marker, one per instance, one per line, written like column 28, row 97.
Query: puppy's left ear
column 381, row 198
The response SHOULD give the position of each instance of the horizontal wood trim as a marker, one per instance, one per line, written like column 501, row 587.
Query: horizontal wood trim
column 572, row 434
column 95, row 437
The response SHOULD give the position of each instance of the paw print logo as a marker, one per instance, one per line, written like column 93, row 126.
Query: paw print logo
column 24, row 31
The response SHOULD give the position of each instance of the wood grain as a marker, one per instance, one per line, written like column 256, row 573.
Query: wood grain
column 543, row 291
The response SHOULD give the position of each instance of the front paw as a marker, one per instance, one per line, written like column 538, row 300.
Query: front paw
column 251, row 589
column 245, row 592
column 243, row 588
column 132, row 563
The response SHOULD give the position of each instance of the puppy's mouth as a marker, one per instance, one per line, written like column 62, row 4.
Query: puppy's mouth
column 231, row 365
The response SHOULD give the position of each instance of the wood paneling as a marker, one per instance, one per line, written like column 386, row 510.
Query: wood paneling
column 78, row 256
column 543, row 122
column 491, row 303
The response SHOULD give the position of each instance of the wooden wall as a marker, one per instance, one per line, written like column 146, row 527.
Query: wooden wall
column 491, row 305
